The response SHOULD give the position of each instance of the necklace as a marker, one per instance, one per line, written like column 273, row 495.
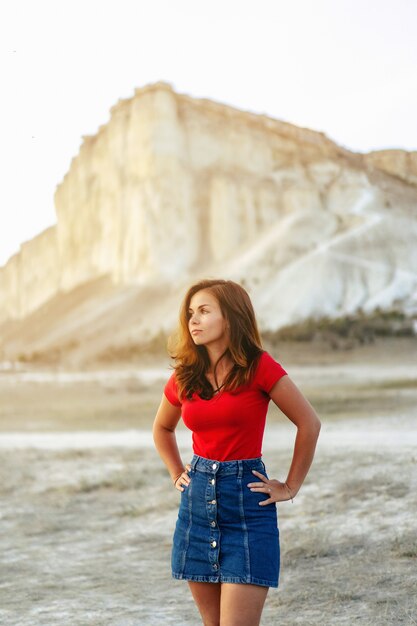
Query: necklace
column 218, row 388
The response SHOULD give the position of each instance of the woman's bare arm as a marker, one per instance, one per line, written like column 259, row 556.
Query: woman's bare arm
column 286, row 395
column 166, row 420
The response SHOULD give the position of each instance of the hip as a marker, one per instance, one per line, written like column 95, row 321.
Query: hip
column 222, row 487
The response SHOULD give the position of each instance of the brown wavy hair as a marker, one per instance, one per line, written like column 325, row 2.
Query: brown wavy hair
column 245, row 345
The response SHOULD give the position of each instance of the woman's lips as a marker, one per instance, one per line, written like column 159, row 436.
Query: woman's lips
column 196, row 331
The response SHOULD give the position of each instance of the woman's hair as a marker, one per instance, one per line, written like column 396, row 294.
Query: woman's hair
column 245, row 346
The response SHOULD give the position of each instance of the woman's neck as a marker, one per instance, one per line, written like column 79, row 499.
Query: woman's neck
column 214, row 353
column 223, row 366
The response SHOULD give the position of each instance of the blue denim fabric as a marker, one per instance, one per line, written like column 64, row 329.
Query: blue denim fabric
column 222, row 534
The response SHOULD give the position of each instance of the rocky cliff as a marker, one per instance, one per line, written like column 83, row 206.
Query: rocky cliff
column 174, row 188
column 397, row 162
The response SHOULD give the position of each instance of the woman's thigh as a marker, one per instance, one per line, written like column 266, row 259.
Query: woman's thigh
column 207, row 599
column 241, row 604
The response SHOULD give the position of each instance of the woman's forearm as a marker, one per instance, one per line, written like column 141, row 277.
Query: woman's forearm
column 304, row 448
column 166, row 444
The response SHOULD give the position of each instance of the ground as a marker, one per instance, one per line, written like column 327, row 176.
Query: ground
column 88, row 509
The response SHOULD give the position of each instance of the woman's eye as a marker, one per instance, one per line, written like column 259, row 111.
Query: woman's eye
column 190, row 314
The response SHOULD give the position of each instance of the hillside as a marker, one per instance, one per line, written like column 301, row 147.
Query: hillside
column 173, row 189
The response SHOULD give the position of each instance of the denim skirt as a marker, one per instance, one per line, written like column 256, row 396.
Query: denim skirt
column 222, row 533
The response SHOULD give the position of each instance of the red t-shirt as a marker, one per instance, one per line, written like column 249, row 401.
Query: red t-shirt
column 230, row 425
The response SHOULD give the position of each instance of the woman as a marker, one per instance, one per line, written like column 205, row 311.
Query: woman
column 226, row 539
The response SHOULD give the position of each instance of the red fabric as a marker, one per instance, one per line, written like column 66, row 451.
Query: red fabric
column 230, row 425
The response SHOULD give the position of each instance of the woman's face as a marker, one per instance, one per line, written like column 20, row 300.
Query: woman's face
column 206, row 322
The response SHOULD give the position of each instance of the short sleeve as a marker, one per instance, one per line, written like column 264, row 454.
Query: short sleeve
column 268, row 372
column 171, row 392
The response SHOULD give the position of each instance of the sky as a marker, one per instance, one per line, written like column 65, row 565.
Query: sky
column 347, row 68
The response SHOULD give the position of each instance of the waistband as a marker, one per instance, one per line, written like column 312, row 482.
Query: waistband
column 201, row 464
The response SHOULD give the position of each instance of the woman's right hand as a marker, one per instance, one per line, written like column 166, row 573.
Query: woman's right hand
column 184, row 479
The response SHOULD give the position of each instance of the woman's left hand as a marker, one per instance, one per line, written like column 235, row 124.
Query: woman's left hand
column 276, row 490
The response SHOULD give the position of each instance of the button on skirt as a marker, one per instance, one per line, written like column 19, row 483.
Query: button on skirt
column 222, row 533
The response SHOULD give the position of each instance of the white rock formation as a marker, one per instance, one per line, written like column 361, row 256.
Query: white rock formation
column 174, row 188
column 398, row 162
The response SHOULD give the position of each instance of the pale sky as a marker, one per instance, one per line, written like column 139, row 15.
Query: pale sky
column 347, row 68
